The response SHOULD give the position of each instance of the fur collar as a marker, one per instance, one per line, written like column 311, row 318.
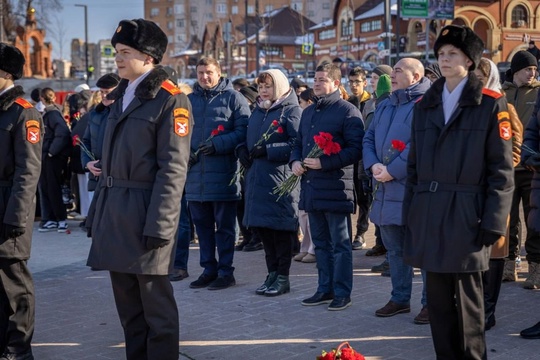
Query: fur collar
column 7, row 98
column 147, row 89
column 471, row 95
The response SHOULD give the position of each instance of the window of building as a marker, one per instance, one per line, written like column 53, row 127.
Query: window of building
column 251, row 9
column 234, row 9
column 181, row 37
column 209, row 16
column 221, row 8
column 169, row 11
column 519, row 16
column 194, row 23
column 170, row 25
column 180, row 23
column 208, row 2
column 179, row 9
column 269, row 8
column 154, row 12
column 326, row 6
column 272, row 50
column 376, row 25
column 297, row 6
column 170, row 38
column 311, row 14
column 327, row 34
column 193, row 10
column 365, row 27
column 346, row 27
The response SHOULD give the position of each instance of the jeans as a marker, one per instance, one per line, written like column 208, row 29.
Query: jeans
column 183, row 237
column 330, row 233
column 393, row 237
column 215, row 223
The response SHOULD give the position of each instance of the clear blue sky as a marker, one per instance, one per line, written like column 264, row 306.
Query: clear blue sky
column 103, row 17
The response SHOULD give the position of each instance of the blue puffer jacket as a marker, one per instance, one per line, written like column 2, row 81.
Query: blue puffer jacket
column 330, row 189
column 95, row 132
column 261, row 207
column 208, row 179
column 392, row 121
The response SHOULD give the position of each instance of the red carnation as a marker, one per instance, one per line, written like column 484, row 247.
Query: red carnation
column 66, row 117
column 220, row 128
column 75, row 140
column 275, row 123
column 398, row 145
column 279, row 130
column 214, row 132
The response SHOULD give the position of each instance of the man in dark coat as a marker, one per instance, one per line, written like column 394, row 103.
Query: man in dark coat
column 458, row 192
column 20, row 146
column 221, row 115
column 327, row 190
column 136, row 207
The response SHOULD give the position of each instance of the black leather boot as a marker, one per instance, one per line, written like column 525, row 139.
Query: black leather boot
column 492, row 280
column 279, row 287
column 270, row 278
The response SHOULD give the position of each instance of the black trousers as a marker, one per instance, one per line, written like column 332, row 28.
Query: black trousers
column 50, row 188
column 522, row 193
column 278, row 247
column 456, row 315
column 17, row 306
column 148, row 314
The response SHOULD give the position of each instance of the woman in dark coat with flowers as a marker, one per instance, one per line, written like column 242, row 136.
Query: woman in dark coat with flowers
column 271, row 131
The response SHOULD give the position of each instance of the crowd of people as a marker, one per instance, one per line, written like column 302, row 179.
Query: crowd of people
column 438, row 158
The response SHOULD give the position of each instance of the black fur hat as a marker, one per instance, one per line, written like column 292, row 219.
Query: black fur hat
column 142, row 35
column 108, row 81
column 464, row 39
column 11, row 60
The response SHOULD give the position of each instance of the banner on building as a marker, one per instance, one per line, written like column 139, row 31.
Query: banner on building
column 428, row 9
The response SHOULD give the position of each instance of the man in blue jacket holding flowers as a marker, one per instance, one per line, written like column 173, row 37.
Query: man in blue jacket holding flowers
column 327, row 190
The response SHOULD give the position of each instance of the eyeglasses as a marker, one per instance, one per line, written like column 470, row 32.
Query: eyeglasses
column 356, row 82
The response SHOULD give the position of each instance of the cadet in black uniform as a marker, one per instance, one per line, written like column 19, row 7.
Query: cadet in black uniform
column 20, row 165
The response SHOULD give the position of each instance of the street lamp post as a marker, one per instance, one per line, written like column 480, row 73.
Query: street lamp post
column 85, row 39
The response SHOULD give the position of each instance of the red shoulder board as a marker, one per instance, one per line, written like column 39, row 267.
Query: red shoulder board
column 25, row 104
column 493, row 94
column 170, row 87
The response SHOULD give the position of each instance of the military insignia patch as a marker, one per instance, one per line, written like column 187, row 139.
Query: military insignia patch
column 505, row 130
column 445, row 32
column 32, row 131
column 181, row 126
column 119, row 29
column 181, row 112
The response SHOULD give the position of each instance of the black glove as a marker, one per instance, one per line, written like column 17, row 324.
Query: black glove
column 258, row 151
column 153, row 243
column 243, row 156
column 487, row 238
column 533, row 163
column 12, row 232
column 207, row 148
column 193, row 158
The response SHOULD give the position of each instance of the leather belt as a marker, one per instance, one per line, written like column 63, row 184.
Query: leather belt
column 435, row 186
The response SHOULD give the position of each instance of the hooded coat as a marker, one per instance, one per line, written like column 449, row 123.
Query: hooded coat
column 20, row 169
column 459, row 179
column 392, row 121
column 144, row 164
column 208, row 179
column 261, row 207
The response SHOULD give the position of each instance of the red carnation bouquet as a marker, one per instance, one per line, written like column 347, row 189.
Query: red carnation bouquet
column 272, row 129
column 324, row 145
column 343, row 352
column 78, row 142
column 213, row 133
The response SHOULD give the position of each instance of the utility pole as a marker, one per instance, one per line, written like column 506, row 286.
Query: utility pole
column 85, row 39
column 257, row 50
column 387, row 25
column 246, row 29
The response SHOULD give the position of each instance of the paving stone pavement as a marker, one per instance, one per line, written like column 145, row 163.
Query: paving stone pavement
column 76, row 317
